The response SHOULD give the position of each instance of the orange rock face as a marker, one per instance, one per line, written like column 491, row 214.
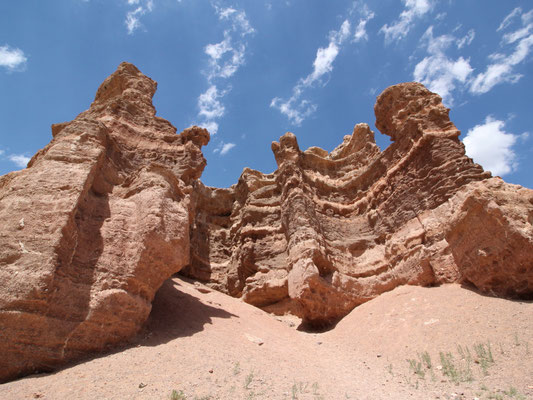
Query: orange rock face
column 113, row 206
column 92, row 228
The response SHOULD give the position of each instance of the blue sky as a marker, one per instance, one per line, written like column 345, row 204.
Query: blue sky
column 252, row 70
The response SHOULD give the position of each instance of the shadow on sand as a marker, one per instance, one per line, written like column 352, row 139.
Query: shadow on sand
column 176, row 313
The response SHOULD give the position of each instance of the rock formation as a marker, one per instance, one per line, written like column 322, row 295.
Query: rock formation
column 93, row 227
column 113, row 206
column 327, row 232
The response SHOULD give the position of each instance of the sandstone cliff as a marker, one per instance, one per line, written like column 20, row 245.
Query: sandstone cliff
column 328, row 231
column 113, row 206
column 92, row 228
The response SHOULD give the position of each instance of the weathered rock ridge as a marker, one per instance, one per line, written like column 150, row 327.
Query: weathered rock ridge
column 113, row 206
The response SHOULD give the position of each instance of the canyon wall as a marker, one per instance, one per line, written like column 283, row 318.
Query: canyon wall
column 114, row 205
column 328, row 231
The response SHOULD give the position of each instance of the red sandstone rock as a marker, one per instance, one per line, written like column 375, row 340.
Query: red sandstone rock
column 113, row 206
column 326, row 232
column 92, row 228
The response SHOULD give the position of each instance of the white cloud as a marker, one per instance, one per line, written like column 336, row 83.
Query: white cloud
column 224, row 148
column 360, row 30
column 12, row 59
column 211, row 126
column 399, row 29
column 237, row 18
column 467, row 39
column 210, row 107
column 20, row 160
column 221, row 66
column 502, row 68
column 133, row 21
column 507, row 20
column 225, row 59
column 490, row 146
column 439, row 72
column 294, row 109
column 297, row 109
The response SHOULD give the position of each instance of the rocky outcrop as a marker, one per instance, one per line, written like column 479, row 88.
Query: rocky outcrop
column 92, row 228
column 113, row 206
column 328, row 231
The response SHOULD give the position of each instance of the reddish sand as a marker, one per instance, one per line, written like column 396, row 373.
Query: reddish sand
column 206, row 345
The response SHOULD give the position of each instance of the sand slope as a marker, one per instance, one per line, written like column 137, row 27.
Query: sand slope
column 206, row 345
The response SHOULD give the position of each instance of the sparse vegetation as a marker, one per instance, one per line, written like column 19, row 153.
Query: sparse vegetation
column 302, row 388
column 248, row 380
column 416, row 367
column 237, row 368
column 177, row 395
column 484, row 356
column 426, row 359
column 457, row 368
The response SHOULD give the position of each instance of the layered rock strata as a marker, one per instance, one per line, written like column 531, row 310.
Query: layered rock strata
column 93, row 227
column 328, row 231
column 113, row 206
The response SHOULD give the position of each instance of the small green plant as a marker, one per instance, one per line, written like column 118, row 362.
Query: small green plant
column 294, row 392
column 448, row 366
column 426, row 359
column 464, row 353
column 175, row 395
column 237, row 368
column 484, row 356
column 248, row 380
column 516, row 341
column 512, row 392
column 389, row 369
column 416, row 367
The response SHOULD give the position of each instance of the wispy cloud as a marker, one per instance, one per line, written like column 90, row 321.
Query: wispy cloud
column 467, row 39
column 225, row 59
column 12, row 59
column 296, row 108
column 491, row 147
column 133, row 17
column 209, row 104
column 360, row 30
column 439, row 72
column 501, row 69
column 20, row 160
column 399, row 29
column 224, row 148
column 507, row 20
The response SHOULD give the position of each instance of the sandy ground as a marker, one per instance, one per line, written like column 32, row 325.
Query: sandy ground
column 412, row 343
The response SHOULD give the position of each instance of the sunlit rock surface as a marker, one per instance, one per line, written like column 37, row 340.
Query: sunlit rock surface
column 114, row 206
